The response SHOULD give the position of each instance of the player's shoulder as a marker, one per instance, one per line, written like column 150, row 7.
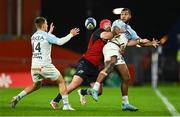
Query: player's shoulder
column 34, row 34
column 39, row 34
column 98, row 30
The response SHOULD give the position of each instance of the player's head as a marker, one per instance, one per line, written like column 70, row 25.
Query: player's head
column 125, row 15
column 105, row 24
column 41, row 23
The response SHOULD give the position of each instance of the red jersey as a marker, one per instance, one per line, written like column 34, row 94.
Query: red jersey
column 94, row 52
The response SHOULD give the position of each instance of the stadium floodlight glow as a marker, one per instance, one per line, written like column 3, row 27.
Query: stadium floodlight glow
column 117, row 11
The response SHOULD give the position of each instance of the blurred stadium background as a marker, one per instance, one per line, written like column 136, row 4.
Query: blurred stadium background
column 151, row 19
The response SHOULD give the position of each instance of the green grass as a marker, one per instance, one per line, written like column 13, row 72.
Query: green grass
column 109, row 104
column 173, row 94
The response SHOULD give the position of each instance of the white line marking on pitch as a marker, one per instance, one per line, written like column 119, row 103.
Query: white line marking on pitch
column 169, row 106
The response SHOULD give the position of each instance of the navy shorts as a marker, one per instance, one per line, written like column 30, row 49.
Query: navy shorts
column 87, row 71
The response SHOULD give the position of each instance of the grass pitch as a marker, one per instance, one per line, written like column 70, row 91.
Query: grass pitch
column 109, row 104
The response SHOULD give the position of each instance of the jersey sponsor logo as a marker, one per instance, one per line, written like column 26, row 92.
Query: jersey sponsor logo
column 37, row 55
column 37, row 38
column 36, row 49
column 80, row 71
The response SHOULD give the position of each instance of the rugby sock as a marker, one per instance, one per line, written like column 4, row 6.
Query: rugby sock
column 125, row 100
column 21, row 95
column 96, row 86
column 58, row 98
column 65, row 99
column 88, row 92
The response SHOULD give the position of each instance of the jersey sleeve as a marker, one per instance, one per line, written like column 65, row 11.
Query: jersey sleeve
column 52, row 38
column 58, row 41
column 133, row 33
column 113, row 25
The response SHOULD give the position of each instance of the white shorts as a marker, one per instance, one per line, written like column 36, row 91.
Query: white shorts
column 44, row 72
column 111, row 49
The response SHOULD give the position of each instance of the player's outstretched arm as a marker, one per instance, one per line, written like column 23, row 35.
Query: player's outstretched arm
column 146, row 42
column 73, row 32
column 60, row 41
column 132, row 43
column 143, row 42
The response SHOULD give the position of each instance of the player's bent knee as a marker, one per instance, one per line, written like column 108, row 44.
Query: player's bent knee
column 60, row 80
column 127, row 79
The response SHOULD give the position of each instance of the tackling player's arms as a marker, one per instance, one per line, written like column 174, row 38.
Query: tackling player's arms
column 106, row 35
column 116, row 30
column 109, row 35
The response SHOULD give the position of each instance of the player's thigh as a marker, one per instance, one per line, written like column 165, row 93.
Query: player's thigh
column 123, row 71
column 120, row 59
column 75, row 83
column 112, row 61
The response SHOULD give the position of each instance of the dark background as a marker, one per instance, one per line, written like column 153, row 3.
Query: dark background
column 151, row 18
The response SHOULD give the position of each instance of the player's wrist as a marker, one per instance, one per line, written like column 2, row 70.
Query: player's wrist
column 70, row 35
column 139, row 41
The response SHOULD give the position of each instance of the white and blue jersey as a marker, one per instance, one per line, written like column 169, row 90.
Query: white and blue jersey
column 118, row 42
column 41, row 47
column 130, row 33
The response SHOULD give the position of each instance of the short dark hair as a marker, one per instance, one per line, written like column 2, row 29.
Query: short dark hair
column 39, row 21
column 127, row 9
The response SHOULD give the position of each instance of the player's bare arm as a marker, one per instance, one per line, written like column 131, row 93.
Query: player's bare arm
column 154, row 43
column 109, row 35
column 116, row 30
column 143, row 42
column 106, row 35
column 74, row 31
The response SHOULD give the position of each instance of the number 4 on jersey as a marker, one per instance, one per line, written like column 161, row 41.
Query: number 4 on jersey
column 36, row 47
